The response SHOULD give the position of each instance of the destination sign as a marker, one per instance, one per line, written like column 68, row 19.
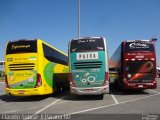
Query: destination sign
column 87, row 56
column 139, row 45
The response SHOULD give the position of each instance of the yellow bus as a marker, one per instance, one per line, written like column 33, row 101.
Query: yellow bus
column 33, row 67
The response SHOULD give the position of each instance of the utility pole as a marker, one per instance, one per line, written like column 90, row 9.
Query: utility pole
column 78, row 18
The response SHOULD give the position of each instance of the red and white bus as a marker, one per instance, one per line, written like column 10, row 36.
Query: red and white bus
column 135, row 62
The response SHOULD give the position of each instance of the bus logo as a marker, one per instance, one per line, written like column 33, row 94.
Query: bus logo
column 139, row 45
column 9, row 59
column 87, row 56
column 87, row 77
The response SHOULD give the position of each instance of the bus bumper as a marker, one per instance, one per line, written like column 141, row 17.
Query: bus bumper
column 89, row 91
column 24, row 92
column 139, row 86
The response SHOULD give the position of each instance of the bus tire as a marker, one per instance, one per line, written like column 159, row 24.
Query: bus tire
column 59, row 88
column 101, row 96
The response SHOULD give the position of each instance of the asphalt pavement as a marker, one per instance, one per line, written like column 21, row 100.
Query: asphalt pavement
column 132, row 105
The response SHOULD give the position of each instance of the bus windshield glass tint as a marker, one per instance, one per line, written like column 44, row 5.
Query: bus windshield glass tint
column 87, row 45
column 140, row 67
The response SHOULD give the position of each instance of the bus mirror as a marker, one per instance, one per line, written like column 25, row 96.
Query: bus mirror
column 154, row 39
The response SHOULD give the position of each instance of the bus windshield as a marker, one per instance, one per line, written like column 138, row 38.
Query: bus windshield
column 22, row 46
column 96, row 44
column 139, row 46
column 140, row 67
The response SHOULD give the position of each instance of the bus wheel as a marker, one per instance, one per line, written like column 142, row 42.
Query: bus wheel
column 101, row 96
column 59, row 88
column 64, row 87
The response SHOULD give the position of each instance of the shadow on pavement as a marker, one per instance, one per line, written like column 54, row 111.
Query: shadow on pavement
column 71, row 97
column 116, row 91
column 7, row 98
column 83, row 97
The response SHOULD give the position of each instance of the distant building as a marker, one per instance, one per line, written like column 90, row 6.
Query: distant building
column 2, row 65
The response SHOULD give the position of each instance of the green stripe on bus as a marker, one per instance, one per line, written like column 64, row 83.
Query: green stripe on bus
column 48, row 73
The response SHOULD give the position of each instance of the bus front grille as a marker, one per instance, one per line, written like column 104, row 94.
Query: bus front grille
column 86, row 65
column 19, row 67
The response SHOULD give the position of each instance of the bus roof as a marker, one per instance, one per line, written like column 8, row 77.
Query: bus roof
column 150, row 40
column 86, row 38
column 137, row 40
column 22, row 40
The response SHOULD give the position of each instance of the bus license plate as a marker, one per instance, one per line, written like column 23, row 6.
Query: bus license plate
column 88, row 90
column 140, row 86
column 21, row 91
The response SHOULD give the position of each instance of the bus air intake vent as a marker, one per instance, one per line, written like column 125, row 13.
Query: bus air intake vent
column 19, row 67
column 86, row 65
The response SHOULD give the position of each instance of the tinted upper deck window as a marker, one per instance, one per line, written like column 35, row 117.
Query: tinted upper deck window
column 22, row 46
column 139, row 46
column 96, row 44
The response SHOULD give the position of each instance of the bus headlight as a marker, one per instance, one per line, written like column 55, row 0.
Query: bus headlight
column 129, row 75
column 76, row 76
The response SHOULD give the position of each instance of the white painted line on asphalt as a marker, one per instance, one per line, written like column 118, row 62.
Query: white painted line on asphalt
column 96, row 108
column 139, row 98
column 13, row 111
column 39, row 111
column 155, row 91
column 91, row 109
column 114, row 98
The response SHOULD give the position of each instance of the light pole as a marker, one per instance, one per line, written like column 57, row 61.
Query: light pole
column 78, row 18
